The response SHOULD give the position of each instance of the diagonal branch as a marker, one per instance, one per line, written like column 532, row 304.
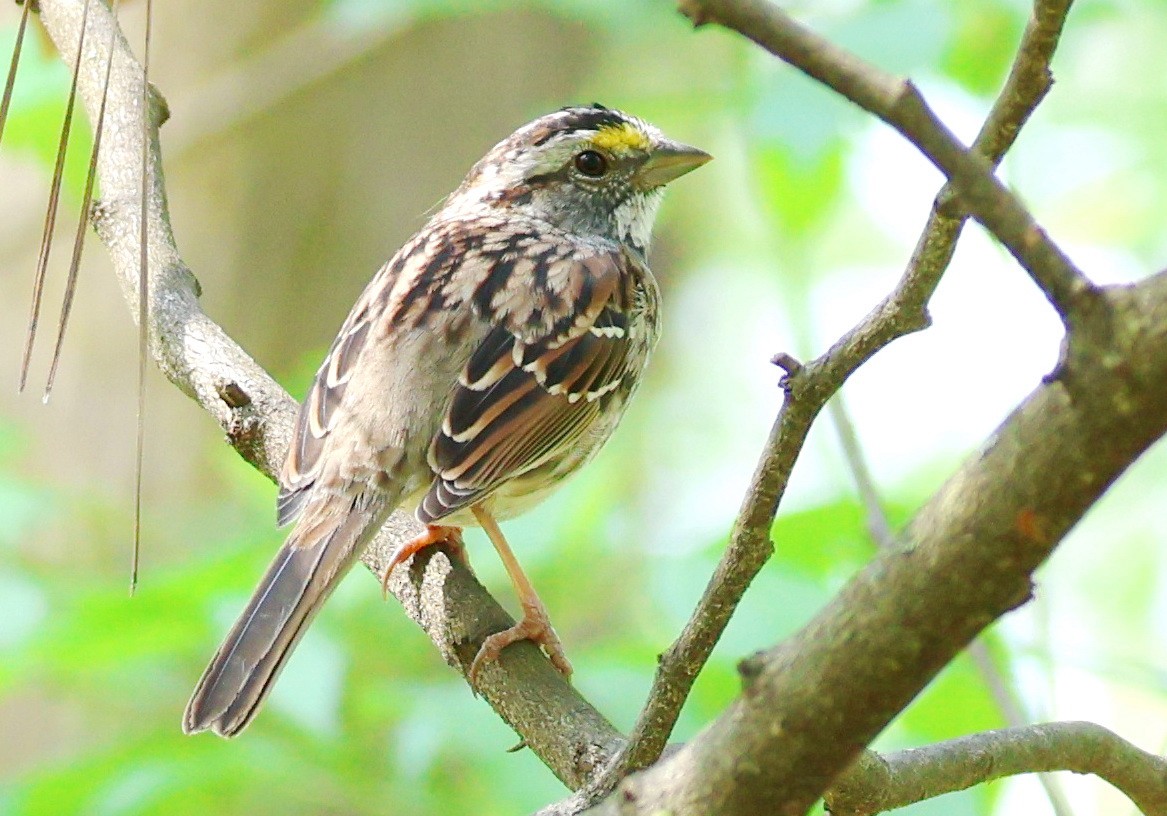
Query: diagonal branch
column 899, row 103
column 900, row 313
column 875, row 783
column 256, row 414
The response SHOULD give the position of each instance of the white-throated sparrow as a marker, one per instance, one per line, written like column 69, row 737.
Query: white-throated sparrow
column 483, row 364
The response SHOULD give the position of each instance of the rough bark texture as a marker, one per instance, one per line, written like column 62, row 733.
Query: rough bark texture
column 875, row 783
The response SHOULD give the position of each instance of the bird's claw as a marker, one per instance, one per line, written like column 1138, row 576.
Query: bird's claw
column 535, row 627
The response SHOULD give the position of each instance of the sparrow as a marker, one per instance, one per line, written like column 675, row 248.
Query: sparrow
column 486, row 361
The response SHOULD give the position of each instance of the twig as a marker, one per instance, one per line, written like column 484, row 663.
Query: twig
column 878, row 525
column 875, row 783
column 901, row 312
column 899, row 103
column 561, row 727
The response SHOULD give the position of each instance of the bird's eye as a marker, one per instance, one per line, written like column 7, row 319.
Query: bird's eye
column 591, row 163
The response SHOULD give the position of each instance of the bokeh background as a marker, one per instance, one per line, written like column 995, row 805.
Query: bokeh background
column 308, row 139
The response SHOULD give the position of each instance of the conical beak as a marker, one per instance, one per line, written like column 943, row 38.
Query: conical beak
column 668, row 161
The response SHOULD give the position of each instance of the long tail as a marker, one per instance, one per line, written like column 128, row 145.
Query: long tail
column 318, row 553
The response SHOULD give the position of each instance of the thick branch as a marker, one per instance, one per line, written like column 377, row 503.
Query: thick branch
column 899, row 104
column 256, row 413
column 875, row 783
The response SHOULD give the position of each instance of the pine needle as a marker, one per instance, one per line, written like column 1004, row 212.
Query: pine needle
column 83, row 220
column 38, row 284
column 11, row 81
column 143, row 300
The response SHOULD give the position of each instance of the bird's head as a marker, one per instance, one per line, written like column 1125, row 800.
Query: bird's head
column 588, row 170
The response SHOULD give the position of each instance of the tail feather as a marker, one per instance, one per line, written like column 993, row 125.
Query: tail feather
column 320, row 551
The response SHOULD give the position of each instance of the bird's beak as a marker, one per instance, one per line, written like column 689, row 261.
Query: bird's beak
column 668, row 160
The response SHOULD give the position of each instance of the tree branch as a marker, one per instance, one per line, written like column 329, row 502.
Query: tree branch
column 899, row 103
column 875, row 783
column 902, row 312
column 194, row 353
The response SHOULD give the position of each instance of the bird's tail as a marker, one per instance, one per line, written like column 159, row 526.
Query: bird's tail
column 325, row 544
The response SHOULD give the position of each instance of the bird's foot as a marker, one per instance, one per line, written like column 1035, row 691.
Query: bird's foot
column 536, row 627
column 434, row 534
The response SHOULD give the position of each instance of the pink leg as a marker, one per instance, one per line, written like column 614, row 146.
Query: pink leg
column 535, row 624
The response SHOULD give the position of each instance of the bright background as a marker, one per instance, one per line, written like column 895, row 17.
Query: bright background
column 308, row 139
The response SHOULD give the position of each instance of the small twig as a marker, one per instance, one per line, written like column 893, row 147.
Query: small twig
column 878, row 526
column 899, row 103
column 874, row 783
column 1028, row 82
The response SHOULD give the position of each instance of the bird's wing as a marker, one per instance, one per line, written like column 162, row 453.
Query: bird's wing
column 556, row 341
column 560, row 346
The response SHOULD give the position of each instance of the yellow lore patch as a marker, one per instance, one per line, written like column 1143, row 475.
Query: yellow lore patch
column 620, row 137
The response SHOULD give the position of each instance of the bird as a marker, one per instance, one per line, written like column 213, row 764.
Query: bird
column 485, row 362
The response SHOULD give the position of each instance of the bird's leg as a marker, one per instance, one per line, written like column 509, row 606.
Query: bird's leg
column 434, row 534
column 534, row 626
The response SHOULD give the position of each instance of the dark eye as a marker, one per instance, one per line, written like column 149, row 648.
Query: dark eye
column 591, row 163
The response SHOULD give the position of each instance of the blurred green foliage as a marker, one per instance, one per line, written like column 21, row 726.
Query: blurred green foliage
column 367, row 719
